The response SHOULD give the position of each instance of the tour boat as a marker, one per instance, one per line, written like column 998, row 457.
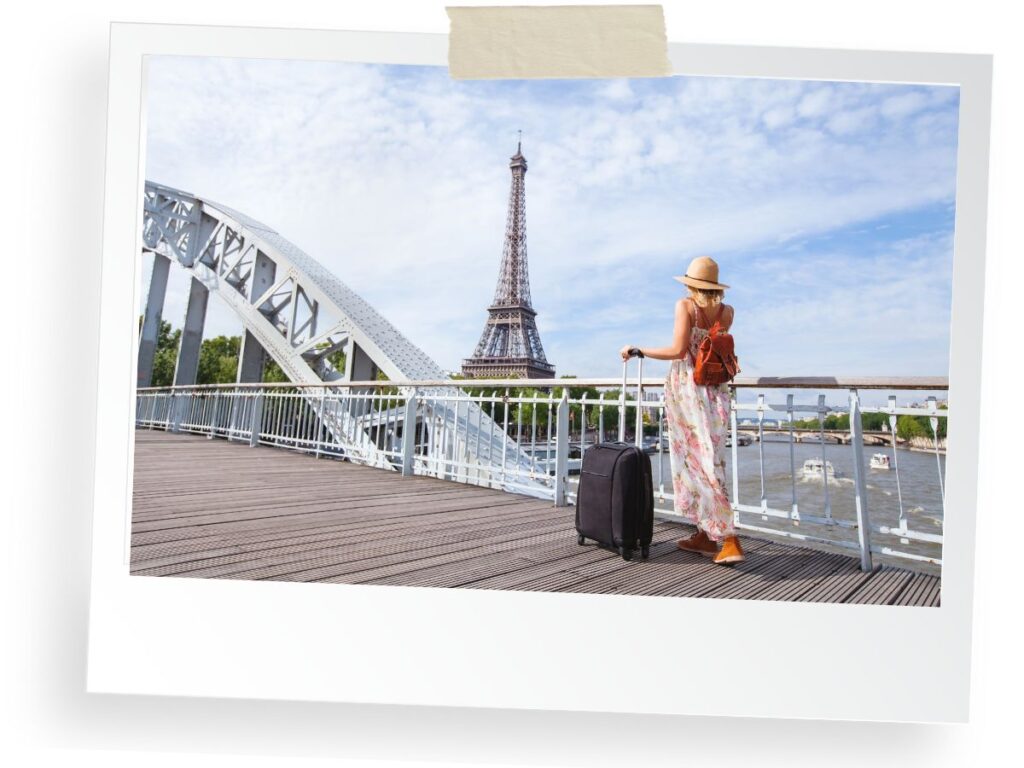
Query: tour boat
column 816, row 468
column 879, row 461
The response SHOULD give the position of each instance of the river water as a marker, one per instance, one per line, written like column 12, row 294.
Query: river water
column 918, row 482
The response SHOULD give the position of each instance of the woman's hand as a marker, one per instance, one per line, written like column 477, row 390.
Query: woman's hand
column 625, row 351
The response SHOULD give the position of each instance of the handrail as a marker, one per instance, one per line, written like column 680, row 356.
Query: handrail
column 533, row 441
column 763, row 382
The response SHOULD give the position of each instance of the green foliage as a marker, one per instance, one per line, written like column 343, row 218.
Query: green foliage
column 875, row 422
column 910, row 426
column 218, row 360
column 907, row 426
column 918, row 426
column 527, row 411
column 335, row 358
column 576, row 410
column 272, row 372
column 839, row 421
column 381, row 376
column 166, row 356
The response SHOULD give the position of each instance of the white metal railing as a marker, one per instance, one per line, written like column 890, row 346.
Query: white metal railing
column 366, row 422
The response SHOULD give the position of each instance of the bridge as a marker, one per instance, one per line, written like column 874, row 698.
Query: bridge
column 385, row 468
column 294, row 311
column 837, row 436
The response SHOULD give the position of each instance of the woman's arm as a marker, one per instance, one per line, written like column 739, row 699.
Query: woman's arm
column 680, row 338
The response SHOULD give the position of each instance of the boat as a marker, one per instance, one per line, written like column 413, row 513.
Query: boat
column 815, row 468
column 879, row 461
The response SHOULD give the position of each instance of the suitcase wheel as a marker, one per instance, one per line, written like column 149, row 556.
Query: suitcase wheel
column 645, row 552
column 627, row 553
column 581, row 539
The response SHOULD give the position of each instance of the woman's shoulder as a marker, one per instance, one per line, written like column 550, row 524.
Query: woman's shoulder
column 728, row 313
column 684, row 304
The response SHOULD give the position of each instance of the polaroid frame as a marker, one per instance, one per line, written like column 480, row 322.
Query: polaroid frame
column 451, row 647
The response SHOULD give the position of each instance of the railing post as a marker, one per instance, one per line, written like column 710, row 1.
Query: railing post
column 860, row 482
column 176, row 407
column 760, row 455
column 256, row 423
column 234, row 405
column 734, row 426
column 213, row 416
column 320, row 422
column 409, row 435
column 562, row 450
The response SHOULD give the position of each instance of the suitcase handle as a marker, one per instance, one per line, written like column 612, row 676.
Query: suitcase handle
column 638, row 438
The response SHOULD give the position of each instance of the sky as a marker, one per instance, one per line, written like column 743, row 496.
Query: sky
column 829, row 206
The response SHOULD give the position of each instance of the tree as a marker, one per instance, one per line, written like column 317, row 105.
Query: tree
column 218, row 360
column 272, row 372
column 166, row 356
column 908, row 426
column 874, row 422
column 576, row 409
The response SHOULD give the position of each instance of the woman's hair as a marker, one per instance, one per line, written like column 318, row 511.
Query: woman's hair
column 706, row 297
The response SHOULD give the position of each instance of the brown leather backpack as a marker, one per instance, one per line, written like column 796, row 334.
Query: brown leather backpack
column 716, row 361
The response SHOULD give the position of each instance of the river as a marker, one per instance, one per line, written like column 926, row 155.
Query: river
column 919, row 483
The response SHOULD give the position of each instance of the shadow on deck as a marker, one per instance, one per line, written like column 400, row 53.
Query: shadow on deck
column 213, row 509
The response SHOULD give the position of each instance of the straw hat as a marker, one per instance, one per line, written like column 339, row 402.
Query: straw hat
column 702, row 273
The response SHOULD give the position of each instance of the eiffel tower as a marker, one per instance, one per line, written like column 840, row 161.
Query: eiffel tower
column 510, row 345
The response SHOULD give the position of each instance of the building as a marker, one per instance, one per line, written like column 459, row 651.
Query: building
column 510, row 346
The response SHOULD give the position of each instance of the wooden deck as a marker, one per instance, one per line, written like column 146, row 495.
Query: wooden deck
column 213, row 509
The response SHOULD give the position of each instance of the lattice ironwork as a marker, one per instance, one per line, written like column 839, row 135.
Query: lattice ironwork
column 300, row 313
column 510, row 343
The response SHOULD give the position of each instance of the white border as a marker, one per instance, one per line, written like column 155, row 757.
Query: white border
column 522, row 650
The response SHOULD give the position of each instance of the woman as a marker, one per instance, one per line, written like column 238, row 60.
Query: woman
column 697, row 417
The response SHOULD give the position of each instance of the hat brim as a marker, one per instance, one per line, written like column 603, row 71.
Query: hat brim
column 696, row 283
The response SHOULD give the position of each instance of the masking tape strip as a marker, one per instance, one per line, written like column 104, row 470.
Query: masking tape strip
column 557, row 41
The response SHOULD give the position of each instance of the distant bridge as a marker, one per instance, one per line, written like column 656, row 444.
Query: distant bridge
column 837, row 436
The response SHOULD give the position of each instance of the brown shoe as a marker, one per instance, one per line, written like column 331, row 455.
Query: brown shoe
column 731, row 552
column 699, row 543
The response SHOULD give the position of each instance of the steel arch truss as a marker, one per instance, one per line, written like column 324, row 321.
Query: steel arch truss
column 301, row 314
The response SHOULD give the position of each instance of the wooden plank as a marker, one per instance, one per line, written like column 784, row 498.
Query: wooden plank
column 882, row 588
column 837, row 587
column 395, row 525
column 379, row 508
column 920, row 590
column 561, row 555
column 267, row 513
column 670, row 569
column 703, row 580
column 344, row 548
column 413, row 534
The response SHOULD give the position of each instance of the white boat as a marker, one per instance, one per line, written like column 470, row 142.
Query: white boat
column 815, row 468
column 879, row 461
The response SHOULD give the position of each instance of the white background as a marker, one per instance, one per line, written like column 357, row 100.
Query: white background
column 54, row 113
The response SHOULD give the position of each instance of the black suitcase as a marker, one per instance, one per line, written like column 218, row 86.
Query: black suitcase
column 615, row 497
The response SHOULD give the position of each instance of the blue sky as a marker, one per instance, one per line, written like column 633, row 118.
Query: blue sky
column 829, row 206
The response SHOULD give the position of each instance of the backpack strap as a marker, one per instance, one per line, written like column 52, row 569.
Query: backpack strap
column 718, row 315
column 707, row 325
column 699, row 310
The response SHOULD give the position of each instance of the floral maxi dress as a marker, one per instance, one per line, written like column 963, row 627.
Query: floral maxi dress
column 697, row 417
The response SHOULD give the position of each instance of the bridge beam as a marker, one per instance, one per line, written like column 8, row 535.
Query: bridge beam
column 151, row 318
column 192, row 335
column 252, row 358
column 358, row 365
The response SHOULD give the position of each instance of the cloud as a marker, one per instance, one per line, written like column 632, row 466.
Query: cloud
column 396, row 179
